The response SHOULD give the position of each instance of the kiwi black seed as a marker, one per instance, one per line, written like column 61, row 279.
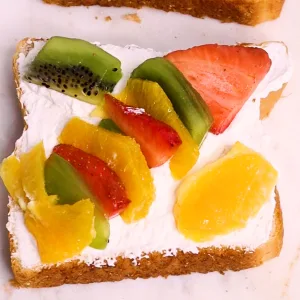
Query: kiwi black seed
column 66, row 77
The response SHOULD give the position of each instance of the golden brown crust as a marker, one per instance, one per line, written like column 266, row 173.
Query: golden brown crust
column 249, row 12
column 207, row 260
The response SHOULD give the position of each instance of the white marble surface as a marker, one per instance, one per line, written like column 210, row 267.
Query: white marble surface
column 277, row 279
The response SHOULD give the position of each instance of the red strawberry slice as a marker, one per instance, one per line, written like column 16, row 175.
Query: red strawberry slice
column 158, row 141
column 225, row 77
column 103, row 182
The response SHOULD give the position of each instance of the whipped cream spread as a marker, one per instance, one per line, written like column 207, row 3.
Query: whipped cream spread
column 48, row 111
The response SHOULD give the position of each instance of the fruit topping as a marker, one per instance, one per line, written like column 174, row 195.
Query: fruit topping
column 158, row 140
column 110, row 125
column 32, row 175
column 76, row 68
column 187, row 102
column 101, row 180
column 10, row 172
column 150, row 96
column 61, row 231
column 225, row 77
column 62, row 179
column 123, row 155
column 224, row 195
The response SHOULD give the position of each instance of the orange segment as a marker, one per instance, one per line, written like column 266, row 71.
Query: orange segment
column 61, row 231
column 10, row 173
column 99, row 111
column 32, row 174
column 150, row 96
column 123, row 155
column 223, row 195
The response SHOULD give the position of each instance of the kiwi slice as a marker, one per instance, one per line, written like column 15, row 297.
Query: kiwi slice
column 62, row 179
column 110, row 125
column 76, row 68
column 187, row 102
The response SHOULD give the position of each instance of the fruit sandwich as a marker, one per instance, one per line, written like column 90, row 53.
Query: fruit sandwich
column 135, row 163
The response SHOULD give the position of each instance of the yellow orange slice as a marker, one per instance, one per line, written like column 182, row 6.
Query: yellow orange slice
column 61, row 231
column 123, row 155
column 99, row 111
column 224, row 195
column 10, row 172
column 32, row 174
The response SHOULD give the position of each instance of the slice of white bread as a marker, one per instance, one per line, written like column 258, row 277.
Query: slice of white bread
column 153, row 264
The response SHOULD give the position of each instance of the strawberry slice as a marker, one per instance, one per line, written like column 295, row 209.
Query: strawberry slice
column 158, row 141
column 102, row 181
column 225, row 77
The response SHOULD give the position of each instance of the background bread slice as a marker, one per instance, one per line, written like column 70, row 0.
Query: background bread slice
column 249, row 12
column 207, row 260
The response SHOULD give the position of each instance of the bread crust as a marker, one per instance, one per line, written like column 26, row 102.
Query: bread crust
column 248, row 12
column 206, row 260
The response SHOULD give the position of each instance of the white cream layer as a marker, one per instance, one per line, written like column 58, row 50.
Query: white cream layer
column 47, row 113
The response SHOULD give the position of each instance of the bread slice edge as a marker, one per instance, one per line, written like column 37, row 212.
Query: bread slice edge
column 248, row 12
column 156, row 264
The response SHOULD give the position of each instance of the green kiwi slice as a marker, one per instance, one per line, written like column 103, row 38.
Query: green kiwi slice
column 76, row 68
column 110, row 125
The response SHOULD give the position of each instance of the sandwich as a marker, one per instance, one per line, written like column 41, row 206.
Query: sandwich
column 135, row 163
column 248, row 12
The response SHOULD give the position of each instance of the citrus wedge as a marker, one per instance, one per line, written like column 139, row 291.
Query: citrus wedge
column 10, row 172
column 61, row 231
column 224, row 195
column 32, row 174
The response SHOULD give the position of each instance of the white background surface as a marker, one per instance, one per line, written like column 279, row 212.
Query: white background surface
column 277, row 279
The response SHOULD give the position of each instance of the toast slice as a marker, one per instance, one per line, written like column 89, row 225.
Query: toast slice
column 248, row 12
column 153, row 264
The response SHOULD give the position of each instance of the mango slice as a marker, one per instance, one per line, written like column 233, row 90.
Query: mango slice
column 61, row 231
column 123, row 155
column 10, row 172
column 150, row 96
column 224, row 195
